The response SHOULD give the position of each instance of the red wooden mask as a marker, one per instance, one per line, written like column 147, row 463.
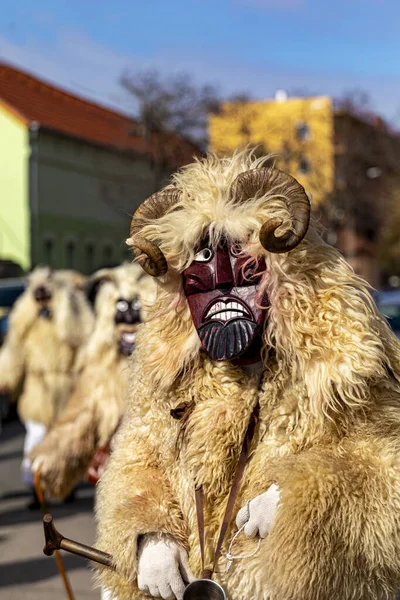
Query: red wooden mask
column 221, row 288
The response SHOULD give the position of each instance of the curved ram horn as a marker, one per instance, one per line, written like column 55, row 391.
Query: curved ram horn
column 260, row 181
column 148, row 254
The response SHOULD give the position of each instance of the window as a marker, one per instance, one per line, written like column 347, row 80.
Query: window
column 245, row 130
column 303, row 132
column 108, row 254
column 125, row 253
column 48, row 251
column 89, row 253
column 304, row 166
column 70, row 254
column 285, row 153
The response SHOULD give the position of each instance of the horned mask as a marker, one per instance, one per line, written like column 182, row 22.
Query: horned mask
column 222, row 284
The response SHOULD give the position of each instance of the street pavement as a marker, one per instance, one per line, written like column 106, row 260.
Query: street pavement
column 25, row 572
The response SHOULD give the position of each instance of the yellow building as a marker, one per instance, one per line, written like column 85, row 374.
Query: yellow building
column 300, row 131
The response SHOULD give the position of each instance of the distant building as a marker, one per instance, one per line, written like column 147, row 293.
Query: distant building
column 367, row 181
column 346, row 161
column 71, row 175
column 299, row 131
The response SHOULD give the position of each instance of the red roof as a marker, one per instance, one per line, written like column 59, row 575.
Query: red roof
column 52, row 108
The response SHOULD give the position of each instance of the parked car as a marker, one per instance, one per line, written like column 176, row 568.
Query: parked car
column 10, row 269
column 389, row 305
column 10, row 290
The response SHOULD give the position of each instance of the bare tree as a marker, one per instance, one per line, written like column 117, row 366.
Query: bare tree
column 354, row 101
column 171, row 103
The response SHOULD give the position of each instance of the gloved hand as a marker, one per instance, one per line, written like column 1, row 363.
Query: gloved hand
column 163, row 567
column 259, row 513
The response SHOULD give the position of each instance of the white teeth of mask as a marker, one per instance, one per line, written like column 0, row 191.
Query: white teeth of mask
column 128, row 337
column 225, row 312
column 226, row 315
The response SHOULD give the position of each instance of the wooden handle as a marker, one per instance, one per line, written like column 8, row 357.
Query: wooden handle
column 56, row 541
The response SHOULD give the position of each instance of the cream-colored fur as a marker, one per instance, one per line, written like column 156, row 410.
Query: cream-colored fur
column 329, row 429
column 97, row 403
column 40, row 353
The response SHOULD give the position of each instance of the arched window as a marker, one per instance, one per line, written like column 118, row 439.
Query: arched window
column 89, row 257
column 48, row 251
column 285, row 153
column 303, row 132
column 304, row 166
column 70, row 248
column 125, row 253
column 108, row 255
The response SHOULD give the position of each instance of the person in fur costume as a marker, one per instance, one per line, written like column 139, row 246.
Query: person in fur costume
column 254, row 309
column 47, row 327
column 79, row 440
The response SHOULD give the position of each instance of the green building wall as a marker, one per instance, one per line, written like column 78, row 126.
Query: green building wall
column 14, row 198
column 66, row 202
column 82, row 199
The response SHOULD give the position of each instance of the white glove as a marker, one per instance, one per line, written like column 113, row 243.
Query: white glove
column 163, row 567
column 259, row 513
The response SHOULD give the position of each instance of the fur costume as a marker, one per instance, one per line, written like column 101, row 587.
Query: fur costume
column 97, row 403
column 48, row 325
column 329, row 428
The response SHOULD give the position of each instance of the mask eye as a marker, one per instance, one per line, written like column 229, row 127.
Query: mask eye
column 136, row 305
column 122, row 305
column 203, row 255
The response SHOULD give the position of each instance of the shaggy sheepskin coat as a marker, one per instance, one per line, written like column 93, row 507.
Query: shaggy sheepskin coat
column 329, row 427
column 39, row 353
column 97, row 404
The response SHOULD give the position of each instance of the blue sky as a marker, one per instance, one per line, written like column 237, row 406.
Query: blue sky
column 258, row 46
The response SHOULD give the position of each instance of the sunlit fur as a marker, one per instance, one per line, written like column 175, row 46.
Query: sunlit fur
column 97, row 403
column 40, row 353
column 329, row 430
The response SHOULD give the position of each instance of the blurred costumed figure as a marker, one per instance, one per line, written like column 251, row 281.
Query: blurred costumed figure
column 48, row 325
column 78, row 443
column 260, row 332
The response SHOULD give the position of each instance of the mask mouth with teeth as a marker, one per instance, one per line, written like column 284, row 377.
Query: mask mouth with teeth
column 126, row 342
column 128, row 319
column 221, row 292
column 228, row 329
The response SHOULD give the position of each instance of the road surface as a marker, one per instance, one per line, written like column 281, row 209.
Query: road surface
column 25, row 573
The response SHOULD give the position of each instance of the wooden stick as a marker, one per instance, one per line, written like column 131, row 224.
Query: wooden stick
column 55, row 541
column 57, row 555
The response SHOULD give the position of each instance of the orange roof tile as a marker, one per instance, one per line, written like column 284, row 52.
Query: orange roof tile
column 52, row 108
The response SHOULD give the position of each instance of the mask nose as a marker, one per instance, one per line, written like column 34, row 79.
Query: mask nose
column 129, row 317
column 223, row 271
column 41, row 293
column 132, row 316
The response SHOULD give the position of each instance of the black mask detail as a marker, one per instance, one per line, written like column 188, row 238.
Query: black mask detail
column 126, row 348
column 224, row 341
column 42, row 294
column 128, row 311
column 45, row 313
